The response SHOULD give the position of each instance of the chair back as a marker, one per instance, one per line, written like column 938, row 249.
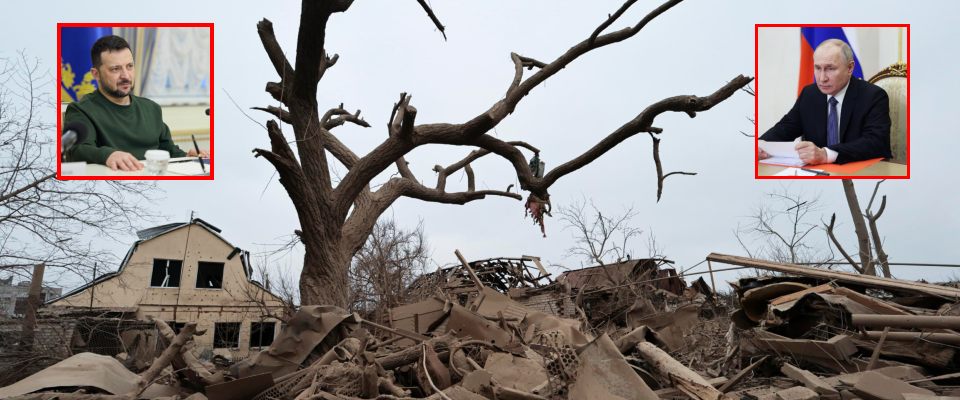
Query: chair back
column 893, row 80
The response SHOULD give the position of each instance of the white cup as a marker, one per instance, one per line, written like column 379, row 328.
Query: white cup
column 157, row 161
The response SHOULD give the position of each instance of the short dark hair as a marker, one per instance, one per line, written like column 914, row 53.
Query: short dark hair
column 106, row 43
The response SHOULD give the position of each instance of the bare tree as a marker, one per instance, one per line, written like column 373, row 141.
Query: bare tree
column 598, row 238
column 780, row 228
column 42, row 219
column 335, row 221
column 276, row 280
column 868, row 261
column 387, row 263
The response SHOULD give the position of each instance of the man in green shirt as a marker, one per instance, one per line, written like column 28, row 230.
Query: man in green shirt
column 121, row 127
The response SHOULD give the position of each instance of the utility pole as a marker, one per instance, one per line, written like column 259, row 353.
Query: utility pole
column 93, row 284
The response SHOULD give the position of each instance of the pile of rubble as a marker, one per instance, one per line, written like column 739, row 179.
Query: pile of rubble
column 504, row 329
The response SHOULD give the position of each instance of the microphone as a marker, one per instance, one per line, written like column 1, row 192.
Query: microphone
column 73, row 133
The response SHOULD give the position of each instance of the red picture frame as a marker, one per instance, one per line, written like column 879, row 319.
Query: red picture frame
column 210, row 167
column 756, row 99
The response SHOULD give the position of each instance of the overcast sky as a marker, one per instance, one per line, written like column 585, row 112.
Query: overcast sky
column 389, row 47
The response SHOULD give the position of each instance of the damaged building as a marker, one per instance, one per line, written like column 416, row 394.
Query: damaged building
column 187, row 272
column 13, row 297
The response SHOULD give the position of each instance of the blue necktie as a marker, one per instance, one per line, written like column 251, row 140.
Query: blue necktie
column 833, row 136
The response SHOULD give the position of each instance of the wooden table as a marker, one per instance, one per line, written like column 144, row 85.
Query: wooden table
column 882, row 168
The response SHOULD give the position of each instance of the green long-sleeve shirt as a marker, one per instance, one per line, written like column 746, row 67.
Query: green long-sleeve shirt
column 134, row 128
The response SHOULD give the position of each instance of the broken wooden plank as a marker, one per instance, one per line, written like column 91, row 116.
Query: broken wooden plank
column 740, row 375
column 688, row 381
column 671, row 392
column 876, row 386
column 797, row 393
column 876, row 352
column 466, row 266
column 810, row 380
column 839, row 347
column 879, row 306
column 826, row 287
column 147, row 377
column 866, row 280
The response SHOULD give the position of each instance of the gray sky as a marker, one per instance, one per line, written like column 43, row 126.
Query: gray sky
column 388, row 47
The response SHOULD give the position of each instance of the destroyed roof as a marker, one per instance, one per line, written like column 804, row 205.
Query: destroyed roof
column 501, row 274
column 152, row 233
column 601, row 276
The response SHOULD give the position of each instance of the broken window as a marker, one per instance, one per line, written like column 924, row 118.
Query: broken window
column 226, row 335
column 166, row 273
column 261, row 333
column 209, row 275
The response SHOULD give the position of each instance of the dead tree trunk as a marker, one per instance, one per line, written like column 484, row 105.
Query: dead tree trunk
column 875, row 233
column 325, row 274
column 860, row 227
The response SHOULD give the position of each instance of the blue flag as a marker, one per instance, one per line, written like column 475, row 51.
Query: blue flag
column 76, row 80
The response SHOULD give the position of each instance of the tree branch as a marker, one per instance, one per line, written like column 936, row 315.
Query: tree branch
column 875, row 233
column 506, row 106
column 836, row 243
column 279, row 113
column 433, row 17
column 641, row 123
column 656, row 159
column 473, row 156
column 275, row 53
column 610, row 20
column 860, row 228
column 470, row 133
column 29, row 186
column 519, row 62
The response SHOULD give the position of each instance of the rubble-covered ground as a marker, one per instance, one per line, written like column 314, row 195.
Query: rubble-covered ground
column 504, row 329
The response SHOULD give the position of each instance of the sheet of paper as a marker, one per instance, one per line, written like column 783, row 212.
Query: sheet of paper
column 188, row 166
column 781, row 153
column 795, row 172
column 788, row 161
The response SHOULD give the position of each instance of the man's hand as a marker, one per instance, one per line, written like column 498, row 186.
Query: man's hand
column 762, row 154
column 193, row 153
column 123, row 161
column 810, row 153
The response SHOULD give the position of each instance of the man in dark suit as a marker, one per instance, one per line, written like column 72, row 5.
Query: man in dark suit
column 838, row 119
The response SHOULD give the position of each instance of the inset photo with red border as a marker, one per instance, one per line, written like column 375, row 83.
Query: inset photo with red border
column 136, row 101
column 832, row 101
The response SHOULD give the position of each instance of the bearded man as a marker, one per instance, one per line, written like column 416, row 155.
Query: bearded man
column 121, row 127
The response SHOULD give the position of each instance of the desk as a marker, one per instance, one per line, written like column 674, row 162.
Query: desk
column 187, row 166
column 882, row 168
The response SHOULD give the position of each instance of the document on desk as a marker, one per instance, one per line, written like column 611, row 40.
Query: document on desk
column 790, row 171
column 781, row 153
column 185, row 166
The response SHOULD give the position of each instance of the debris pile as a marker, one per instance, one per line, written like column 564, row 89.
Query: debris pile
column 844, row 335
column 503, row 329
